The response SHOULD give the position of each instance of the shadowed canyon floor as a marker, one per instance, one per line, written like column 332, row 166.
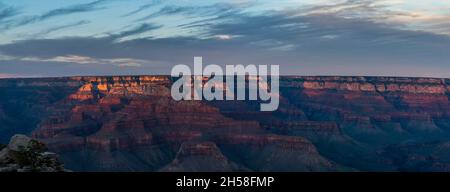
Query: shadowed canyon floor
column 130, row 123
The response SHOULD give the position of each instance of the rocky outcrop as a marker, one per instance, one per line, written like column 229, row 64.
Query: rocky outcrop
column 24, row 154
column 426, row 156
column 276, row 153
column 201, row 156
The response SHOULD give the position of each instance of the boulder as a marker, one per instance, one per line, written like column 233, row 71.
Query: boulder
column 18, row 142
column 24, row 154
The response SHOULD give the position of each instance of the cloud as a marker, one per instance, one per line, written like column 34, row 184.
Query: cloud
column 78, row 8
column 61, row 27
column 330, row 36
column 142, row 8
column 400, row 14
column 4, row 57
column 196, row 11
column 349, row 8
column 130, row 62
column 224, row 37
column 77, row 59
column 9, row 75
column 142, row 28
column 168, row 10
column 318, row 43
column 7, row 12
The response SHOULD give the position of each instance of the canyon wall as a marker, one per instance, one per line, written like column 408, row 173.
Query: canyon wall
column 130, row 123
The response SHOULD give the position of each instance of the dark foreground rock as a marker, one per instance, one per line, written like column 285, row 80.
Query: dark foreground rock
column 24, row 154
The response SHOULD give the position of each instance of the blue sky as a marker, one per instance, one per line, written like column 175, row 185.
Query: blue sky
column 305, row 37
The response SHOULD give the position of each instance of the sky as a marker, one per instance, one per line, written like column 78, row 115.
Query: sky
column 305, row 37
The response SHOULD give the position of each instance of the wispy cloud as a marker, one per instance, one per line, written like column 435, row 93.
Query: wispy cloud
column 73, row 9
column 89, row 60
column 143, row 8
column 4, row 57
column 224, row 37
column 197, row 11
column 121, row 62
column 142, row 28
column 61, row 27
column 9, row 75
column 7, row 12
column 78, row 8
column 398, row 13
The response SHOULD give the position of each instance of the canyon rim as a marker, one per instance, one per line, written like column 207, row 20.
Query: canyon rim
column 131, row 123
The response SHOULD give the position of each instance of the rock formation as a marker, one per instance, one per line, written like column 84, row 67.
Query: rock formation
column 130, row 123
column 24, row 154
column 201, row 156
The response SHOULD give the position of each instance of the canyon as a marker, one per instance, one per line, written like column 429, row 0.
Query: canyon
column 131, row 123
